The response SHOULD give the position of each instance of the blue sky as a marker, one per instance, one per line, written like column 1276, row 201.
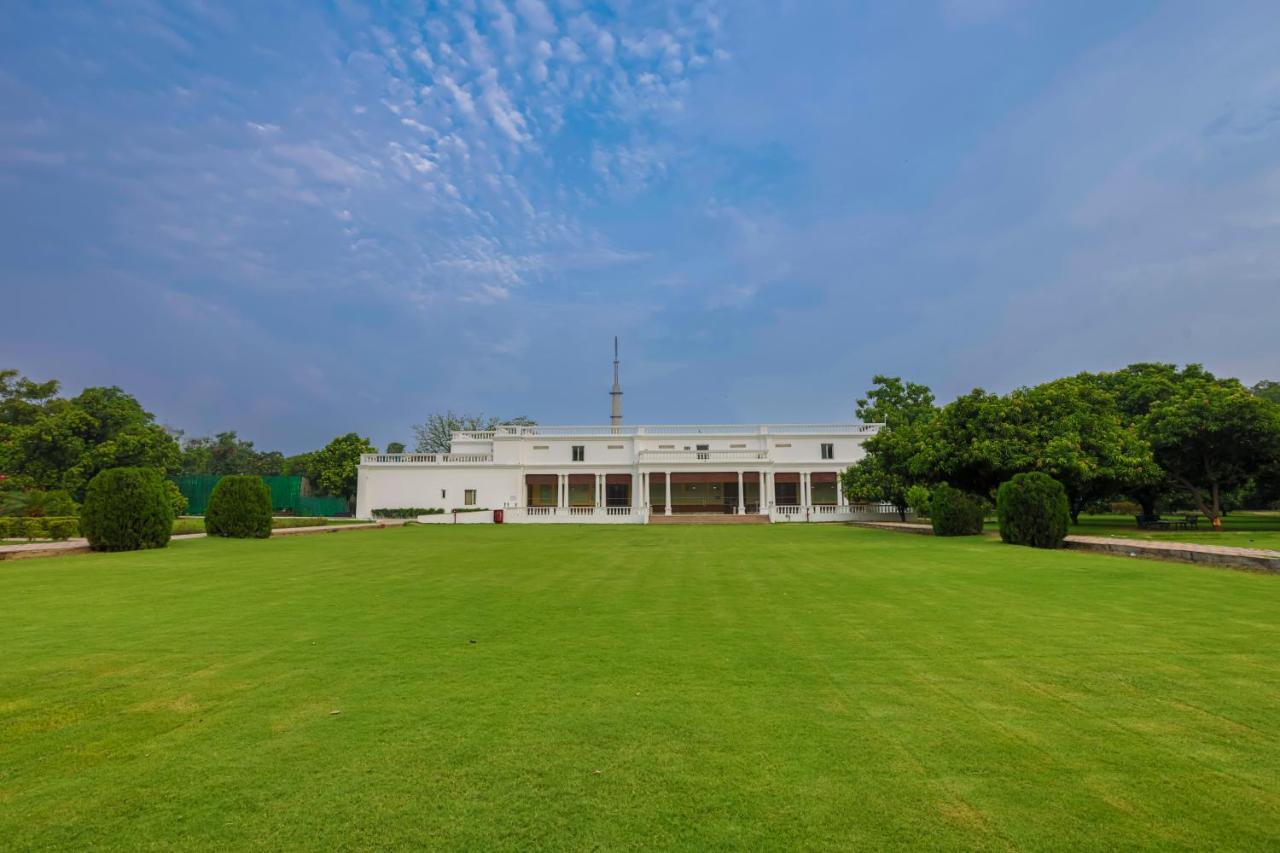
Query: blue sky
column 296, row 220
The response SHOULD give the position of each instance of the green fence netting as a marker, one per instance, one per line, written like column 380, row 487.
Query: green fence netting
column 287, row 495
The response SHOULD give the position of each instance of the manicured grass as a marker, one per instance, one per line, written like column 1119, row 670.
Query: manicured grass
column 625, row 687
column 1239, row 529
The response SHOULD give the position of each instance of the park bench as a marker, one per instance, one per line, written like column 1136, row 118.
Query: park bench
column 1187, row 522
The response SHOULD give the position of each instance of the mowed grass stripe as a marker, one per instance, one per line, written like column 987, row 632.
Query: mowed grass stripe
column 696, row 688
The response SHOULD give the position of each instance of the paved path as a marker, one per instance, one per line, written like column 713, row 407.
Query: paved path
column 81, row 545
column 1258, row 559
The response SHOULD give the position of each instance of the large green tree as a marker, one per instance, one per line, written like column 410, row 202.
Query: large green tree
column 333, row 469
column 894, row 454
column 1211, row 436
column 56, row 443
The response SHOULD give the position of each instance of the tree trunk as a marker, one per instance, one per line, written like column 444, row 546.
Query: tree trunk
column 1217, row 508
column 902, row 512
column 1148, row 507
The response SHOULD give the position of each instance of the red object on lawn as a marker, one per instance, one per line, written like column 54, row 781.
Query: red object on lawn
column 497, row 516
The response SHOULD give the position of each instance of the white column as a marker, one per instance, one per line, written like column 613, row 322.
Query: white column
column 668, row 493
column 765, row 494
column 564, row 489
column 634, row 478
column 840, row 501
column 599, row 489
column 804, row 488
column 742, row 500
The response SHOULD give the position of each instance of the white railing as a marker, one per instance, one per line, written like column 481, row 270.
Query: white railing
column 672, row 429
column 573, row 515
column 703, row 456
column 783, row 509
column 424, row 458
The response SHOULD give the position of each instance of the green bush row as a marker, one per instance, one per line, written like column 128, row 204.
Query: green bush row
column 56, row 527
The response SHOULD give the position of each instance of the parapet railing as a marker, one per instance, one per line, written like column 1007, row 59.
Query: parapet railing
column 671, row 429
column 703, row 456
column 423, row 458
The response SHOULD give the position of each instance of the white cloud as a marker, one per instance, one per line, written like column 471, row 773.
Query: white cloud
column 536, row 15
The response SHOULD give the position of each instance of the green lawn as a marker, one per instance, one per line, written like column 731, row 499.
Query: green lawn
column 700, row 688
column 1239, row 529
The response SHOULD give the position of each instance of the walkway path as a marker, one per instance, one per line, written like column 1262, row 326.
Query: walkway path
column 1257, row 559
column 81, row 545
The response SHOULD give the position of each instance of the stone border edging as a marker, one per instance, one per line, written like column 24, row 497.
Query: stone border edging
column 1220, row 556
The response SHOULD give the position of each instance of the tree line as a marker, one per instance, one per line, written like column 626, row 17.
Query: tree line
column 52, row 446
column 1154, row 434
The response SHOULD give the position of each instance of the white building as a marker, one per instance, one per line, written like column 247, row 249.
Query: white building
column 625, row 474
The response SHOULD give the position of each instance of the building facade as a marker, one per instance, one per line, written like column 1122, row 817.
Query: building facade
column 625, row 474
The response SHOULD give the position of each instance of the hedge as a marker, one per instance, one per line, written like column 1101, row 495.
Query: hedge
column 1033, row 510
column 955, row 513
column 406, row 512
column 126, row 509
column 239, row 508
column 18, row 527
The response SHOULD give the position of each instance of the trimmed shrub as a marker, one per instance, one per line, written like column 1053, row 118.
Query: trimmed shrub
column 7, row 530
column 1033, row 511
column 239, row 508
column 955, row 513
column 34, row 528
column 126, row 509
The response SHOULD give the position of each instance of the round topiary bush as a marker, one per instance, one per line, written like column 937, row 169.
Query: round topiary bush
column 126, row 509
column 1033, row 510
column 240, row 508
column 955, row 513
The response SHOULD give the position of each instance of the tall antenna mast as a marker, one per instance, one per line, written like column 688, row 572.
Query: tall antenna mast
column 615, row 416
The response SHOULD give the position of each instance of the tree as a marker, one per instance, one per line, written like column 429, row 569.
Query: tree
column 21, row 399
column 1074, row 432
column 890, row 467
column 226, row 453
column 61, row 443
column 333, row 469
column 1211, row 436
column 1267, row 390
column 892, row 402
column 435, row 435
column 395, row 447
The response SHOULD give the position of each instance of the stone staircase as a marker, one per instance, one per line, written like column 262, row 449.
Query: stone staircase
column 707, row 518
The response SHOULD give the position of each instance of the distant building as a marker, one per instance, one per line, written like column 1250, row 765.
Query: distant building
column 626, row 474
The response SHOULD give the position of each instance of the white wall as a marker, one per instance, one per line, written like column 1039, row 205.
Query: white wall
column 394, row 486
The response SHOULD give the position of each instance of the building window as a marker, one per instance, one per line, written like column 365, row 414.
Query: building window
column 828, row 451
column 702, row 451
column 579, row 453
column 469, row 497
column 442, row 494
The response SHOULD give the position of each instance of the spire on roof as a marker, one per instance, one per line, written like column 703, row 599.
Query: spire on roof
column 615, row 415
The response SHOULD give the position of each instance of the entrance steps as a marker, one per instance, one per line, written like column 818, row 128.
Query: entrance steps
column 707, row 518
